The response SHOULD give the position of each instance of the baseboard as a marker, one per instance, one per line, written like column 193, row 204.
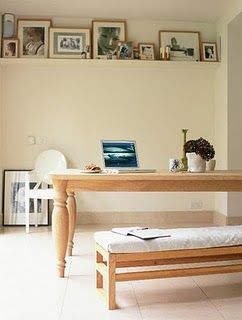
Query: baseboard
column 222, row 220
column 176, row 218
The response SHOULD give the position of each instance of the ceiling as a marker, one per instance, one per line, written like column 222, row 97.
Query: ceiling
column 182, row 10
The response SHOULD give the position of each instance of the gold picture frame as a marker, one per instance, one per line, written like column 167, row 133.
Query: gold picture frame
column 183, row 45
column 10, row 48
column 209, row 52
column 33, row 38
column 146, row 51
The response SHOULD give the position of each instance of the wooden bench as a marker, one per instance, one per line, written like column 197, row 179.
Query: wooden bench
column 111, row 254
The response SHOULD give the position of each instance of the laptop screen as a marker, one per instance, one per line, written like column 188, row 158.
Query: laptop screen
column 119, row 154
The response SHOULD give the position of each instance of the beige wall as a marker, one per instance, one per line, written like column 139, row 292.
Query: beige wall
column 76, row 105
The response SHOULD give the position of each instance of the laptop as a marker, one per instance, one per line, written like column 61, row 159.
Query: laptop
column 122, row 156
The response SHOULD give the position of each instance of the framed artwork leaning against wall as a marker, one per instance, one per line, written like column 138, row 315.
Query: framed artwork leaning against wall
column 209, row 52
column 106, row 37
column 70, row 43
column 14, row 211
column 33, row 38
column 183, row 45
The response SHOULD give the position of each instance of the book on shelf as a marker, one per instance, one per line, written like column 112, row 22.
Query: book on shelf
column 142, row 232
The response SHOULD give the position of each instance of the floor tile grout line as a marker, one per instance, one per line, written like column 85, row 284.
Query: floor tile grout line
column 65, row 290
column 141, row 317
column 211, row 302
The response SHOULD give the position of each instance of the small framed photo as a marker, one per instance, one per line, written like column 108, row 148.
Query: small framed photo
column 136, row 53
column 125, row 50
column 147, row 51
column 106, row 37
column 184, row 45
column 209, row 51
column 33, row 38
column 70, row 43
column 8, row 25
column 10, row 48
column 14, row 183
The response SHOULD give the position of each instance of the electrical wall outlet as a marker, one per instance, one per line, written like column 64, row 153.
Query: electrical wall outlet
column 31, row 140
column 196, row 204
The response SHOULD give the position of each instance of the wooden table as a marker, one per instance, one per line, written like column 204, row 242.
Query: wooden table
column 67, row 182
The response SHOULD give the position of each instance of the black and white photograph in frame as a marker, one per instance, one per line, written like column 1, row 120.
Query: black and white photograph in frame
column 183, row 45
column 147, row 51
column 14, row 211
column 106, row 37
column 209, row 51
column 125, row 50
column 33, row 38
column 70, row 43
column 10, row 48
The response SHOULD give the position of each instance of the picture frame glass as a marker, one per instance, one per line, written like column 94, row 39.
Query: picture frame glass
column 184, row 45
column 106, row 37
column 14, row 211
column 70, row 43
column 33, row 38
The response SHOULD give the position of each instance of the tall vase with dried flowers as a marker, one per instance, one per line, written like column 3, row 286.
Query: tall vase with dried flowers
column 184, row 157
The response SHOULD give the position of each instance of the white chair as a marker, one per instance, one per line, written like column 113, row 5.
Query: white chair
column 47, row 161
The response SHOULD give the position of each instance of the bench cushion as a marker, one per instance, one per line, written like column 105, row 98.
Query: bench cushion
column 181, row 238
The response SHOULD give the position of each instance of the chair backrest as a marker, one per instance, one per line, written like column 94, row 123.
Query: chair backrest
column 47, row 161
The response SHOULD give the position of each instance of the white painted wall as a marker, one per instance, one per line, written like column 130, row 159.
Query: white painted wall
column 75, row 106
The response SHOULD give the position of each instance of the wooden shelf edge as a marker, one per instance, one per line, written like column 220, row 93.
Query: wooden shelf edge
column 108, row 63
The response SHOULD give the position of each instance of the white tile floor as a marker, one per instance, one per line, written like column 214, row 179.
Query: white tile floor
column 30, row 289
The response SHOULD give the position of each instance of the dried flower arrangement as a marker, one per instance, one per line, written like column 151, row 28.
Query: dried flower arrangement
column 200, row 146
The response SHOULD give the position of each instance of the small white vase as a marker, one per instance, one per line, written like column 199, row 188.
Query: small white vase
column 210, row 165
column 195, row 162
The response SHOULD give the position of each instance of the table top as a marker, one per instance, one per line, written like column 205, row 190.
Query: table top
column 214, row 181
column 76, row 174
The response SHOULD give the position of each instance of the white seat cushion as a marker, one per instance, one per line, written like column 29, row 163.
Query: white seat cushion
column 41, row 193
column 181, row 238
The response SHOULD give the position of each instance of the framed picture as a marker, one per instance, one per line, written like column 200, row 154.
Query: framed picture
column 33, row 38
column 8, row 25
column 14, row 182
column 70, row 43
column 106, row 36
column 147, row 51
column 125, row 50
column 184, row 45
column 209, row 51
column 136, row 53
column 10, row 48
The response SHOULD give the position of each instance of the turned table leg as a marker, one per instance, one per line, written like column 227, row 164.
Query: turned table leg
column 71, row 206
column 60, row 224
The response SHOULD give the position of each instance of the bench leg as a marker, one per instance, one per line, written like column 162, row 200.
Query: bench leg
column 99, row 277
column 106, row 270
column 111, row 282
